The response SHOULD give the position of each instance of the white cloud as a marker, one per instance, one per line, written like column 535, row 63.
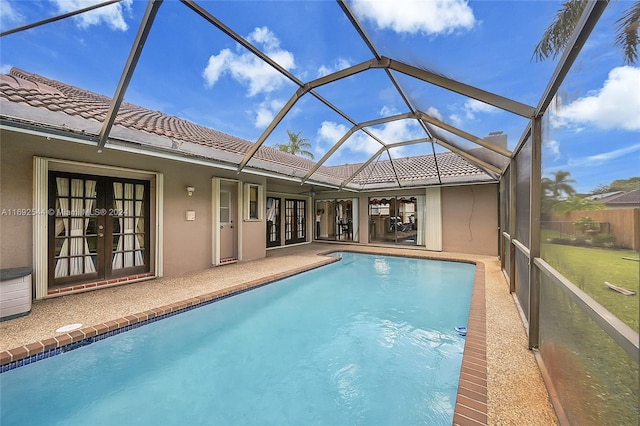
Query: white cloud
column 456, row 120
column 331, row 133
column 249, row 70
column 615, row 106
column 552, row 146
column 112, row 15
column 266, row 111
column 340, row 64
column 9, row 15
column 414, row 16
column 391, row 132
column 397, row 131
column 216, row 66
column 433, row 112
column 598, row 159
column 4, row 69
column 473, row 106
column 468, row 111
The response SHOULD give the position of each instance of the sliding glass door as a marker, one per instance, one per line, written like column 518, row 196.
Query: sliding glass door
column 337, row 219
column 397, row 220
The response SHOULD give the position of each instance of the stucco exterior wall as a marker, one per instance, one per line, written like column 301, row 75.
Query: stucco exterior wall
column 16, row 182
column 187, row 245
column 254, row 234
column 470, row 219
column 469, row 213
column 469, row 216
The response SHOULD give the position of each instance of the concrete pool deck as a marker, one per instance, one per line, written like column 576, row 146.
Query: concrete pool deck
column 515, row 392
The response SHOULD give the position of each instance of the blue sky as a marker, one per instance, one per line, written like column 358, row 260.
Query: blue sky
column 191, row 69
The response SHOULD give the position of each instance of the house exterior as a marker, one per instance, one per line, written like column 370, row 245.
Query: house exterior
column 620, row 199
column 165, row 196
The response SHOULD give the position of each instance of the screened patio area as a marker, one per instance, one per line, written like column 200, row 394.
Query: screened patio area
column 538, row 98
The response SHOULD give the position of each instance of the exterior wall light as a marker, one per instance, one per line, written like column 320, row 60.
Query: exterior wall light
column 190, row 190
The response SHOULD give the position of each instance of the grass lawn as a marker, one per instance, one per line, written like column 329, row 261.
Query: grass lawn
column 589, row 268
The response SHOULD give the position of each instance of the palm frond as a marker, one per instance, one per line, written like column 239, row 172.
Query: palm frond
column 627, row 33
column 307, row 154
column 557, row 35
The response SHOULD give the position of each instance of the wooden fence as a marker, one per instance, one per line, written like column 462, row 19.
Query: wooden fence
column 623, row 223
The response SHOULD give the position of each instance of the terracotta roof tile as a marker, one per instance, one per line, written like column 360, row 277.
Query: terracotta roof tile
column 40, row 92
column 417, row 168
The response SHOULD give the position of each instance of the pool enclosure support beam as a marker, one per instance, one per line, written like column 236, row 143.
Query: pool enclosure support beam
column 614, row 327
column 461, row 88
column 513, row 175
column 441, row 140
column 302, row 90
column 127, row 72
column 305, row 87
column 590, row 16
column 535, row 201
column 585, row 25
column 378, row 153
column 302, row 87
column 489, row 168
column 365, row 37
column 468, row 136
column 58, row 18
column 347, row 135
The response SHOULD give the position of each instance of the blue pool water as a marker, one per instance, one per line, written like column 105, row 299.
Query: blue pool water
column 367, row 340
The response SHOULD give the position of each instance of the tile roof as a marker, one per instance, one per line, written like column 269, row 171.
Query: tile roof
column 603, row 197
column 626, row 198
column 40, row 92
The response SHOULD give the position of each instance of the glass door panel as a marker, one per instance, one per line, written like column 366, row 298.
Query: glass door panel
column 273, row 222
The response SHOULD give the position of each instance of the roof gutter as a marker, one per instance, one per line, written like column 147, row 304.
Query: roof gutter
column 131, row 147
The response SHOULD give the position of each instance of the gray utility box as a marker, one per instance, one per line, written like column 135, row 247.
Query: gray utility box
column 15, row 292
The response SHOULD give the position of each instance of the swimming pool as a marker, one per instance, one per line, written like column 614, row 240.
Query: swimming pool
column 330, row 346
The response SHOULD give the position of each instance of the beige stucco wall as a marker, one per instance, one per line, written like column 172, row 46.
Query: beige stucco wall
column 469, row 216
column 254, row 234
column 187, row 244
column 16, row 232
column 470, row 219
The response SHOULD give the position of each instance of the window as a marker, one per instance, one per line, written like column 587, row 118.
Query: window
column 253, row 201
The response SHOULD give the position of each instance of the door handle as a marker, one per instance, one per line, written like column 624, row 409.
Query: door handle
column 100, row 234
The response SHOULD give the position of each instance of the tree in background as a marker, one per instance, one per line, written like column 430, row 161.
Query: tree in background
column 559, row 185
column 554, row 190
column 624, row 185
column 575, row 202
column 557, row 35
column 296, row 145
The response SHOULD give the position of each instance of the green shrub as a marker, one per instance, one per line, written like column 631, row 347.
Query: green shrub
column 564, row 241
column 581, row 242
column 585, row 224
column 605, row 240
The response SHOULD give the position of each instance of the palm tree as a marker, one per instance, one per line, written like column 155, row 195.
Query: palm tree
column 560, row 184
column 296, row 145
column 576, row 202
column 557, row 35
column 553, row 189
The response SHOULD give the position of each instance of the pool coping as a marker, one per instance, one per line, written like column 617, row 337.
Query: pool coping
column 471, row 401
